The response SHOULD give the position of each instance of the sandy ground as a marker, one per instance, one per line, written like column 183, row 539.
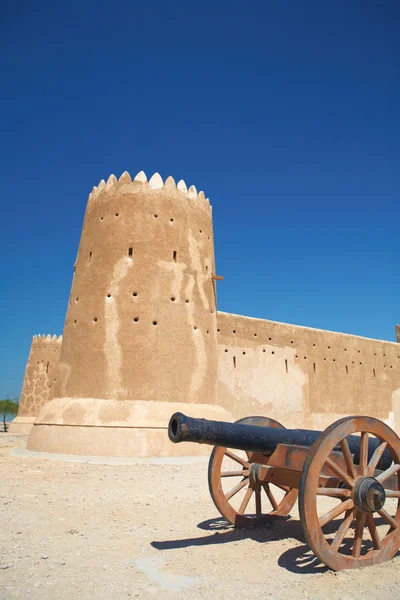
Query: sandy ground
column 88, row 531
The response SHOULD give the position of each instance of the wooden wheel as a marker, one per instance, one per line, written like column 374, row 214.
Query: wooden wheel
column 357, row 523
column 234, row 488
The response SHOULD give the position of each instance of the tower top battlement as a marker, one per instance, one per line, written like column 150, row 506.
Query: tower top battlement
column 140, row 183
column 46, row 338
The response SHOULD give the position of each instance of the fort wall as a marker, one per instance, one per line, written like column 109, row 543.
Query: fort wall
column 141, row 321
column 39, row 382
column 143, row 339
column 305, row 377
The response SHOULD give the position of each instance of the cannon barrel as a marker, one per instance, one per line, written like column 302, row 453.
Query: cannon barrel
column 253, row 438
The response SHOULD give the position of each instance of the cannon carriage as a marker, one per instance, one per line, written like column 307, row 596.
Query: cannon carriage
column 346, row 480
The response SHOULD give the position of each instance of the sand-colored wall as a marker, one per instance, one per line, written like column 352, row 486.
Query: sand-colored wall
column 140, row 336
column 141, row 320
column 40, row 380
column 305, row 377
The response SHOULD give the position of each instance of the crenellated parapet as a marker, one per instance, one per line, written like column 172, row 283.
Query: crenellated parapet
column 139, row 183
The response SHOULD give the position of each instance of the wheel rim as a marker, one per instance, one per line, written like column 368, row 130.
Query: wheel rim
column 243, row 501
column 329, row 533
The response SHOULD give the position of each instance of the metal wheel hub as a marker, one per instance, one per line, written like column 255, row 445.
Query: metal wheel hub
column 369, row 495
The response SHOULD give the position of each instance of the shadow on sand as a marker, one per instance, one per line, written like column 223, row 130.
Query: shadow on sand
column 299, row 559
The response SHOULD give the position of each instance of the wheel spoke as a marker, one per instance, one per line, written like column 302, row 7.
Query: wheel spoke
column 374, row 534
column 237, row 459
column 360, row 524
column 258, row 502
column 388, row 473
column 348, row 459
column 392, row 493
column 363, row 453
column 339, row 472
column 236, row 489
column 245, row 501
column 243, row 473
column 270, row 496
column 343, row 529
column 334, row 492
column 376, row 457
column 385, row 515
column 335, row 512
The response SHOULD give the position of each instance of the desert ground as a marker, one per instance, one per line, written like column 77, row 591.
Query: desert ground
column 150, row 530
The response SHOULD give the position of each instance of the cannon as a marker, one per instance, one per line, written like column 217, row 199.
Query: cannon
column 346, row 480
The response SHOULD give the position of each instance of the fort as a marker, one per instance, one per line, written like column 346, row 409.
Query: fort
column 39, row 382
column 143, row 339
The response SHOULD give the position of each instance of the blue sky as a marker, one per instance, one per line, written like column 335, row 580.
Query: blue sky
column 285, row 113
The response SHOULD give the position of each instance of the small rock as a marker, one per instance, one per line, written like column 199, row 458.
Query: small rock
column 44, row 556
column 5, row 566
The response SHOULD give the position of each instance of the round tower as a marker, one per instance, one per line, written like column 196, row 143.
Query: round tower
column 39, row 381
column 140, row 332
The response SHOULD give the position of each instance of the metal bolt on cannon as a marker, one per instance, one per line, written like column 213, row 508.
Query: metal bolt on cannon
column 346, row 480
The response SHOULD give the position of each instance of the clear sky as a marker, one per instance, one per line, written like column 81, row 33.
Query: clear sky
column 286, row 113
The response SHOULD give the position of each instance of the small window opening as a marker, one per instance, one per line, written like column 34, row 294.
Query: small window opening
column 136, row 319
column 374, row 372
column 130, row 250
column 314, row 367
column 174, row 255
column 347, row 369
column 47, row 367
column 134, row 294
column 234, row 362
column 95, row 319
column 286, row 366
column 172, row 298
column 90, row 256
column 154, row 322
